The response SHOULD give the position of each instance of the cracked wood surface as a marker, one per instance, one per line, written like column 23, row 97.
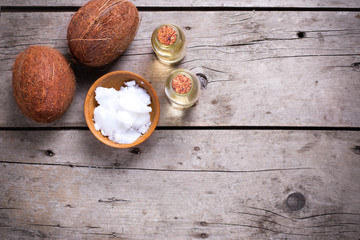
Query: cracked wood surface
column 260, row 71
column 199, row 3
column 221, row 184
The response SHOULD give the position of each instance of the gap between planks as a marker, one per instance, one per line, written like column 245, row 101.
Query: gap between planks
column 175, row 9
column 265, row 128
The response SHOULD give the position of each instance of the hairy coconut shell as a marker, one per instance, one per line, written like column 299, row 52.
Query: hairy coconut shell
column 102, row 30
column 43, row 83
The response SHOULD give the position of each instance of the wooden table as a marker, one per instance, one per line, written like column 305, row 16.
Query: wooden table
column 270, row 151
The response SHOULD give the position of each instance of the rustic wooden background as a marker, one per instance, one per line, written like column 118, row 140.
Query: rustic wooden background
column 279, row 114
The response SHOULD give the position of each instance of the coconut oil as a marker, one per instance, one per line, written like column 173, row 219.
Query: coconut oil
column 168, row 43
column 182, row 88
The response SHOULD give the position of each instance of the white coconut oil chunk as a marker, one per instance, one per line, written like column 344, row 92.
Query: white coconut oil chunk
column 124, row 115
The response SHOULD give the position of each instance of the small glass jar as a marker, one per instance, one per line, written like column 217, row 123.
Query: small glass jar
column 168, row 43
column 182, row 88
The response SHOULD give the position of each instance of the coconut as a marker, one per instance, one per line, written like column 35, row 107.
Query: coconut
column 102, row 30
column 43, row 83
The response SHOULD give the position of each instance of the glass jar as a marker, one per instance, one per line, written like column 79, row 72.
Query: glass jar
column 168, row 43
column 182, row 88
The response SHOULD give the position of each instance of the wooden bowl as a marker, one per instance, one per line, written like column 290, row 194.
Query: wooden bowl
column 116, row 80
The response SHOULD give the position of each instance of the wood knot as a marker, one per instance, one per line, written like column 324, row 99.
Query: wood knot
column 187, row 28
column 203, row 80
column 296, row 201
column 197, row 148
column 203, row 224
column 135, row 150
column 301, row 34
column 49, row 153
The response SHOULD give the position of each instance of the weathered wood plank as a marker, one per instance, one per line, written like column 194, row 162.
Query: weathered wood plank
column 260, row 72
column 199, row 3
column 239, row 150
column 220, row 190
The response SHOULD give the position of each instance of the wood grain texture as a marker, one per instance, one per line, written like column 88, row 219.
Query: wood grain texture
column 180, row 185
column 198, row 3
column 260, row 72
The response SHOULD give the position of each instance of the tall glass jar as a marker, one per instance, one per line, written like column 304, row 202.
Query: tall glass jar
column 168, row 43
column 182, row 88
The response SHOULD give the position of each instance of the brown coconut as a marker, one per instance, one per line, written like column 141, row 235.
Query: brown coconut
column 102, row 30
column 43, row 83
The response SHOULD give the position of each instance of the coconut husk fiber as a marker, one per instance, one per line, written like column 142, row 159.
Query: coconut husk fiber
column 102, row 30
column 43, row 83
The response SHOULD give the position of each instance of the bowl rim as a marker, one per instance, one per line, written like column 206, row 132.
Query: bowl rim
column 106, row 140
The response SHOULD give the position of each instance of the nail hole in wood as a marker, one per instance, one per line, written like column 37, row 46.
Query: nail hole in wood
column 187, row 28
column 203, row 235
column 356, row 65
column 49, row 153
column 301, row 34
column 356, row 150
column 197, row 148
column 203, row 224
column 135, row 150
column 296, row 201
column 203, row 80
